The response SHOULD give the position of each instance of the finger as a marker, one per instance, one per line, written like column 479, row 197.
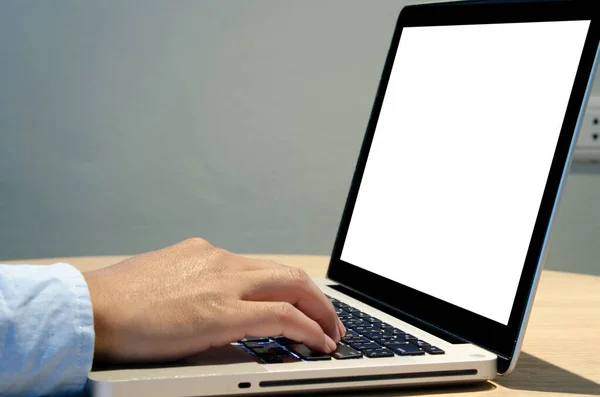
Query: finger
column 282, row 318
column 341, row 328
column 292, row 285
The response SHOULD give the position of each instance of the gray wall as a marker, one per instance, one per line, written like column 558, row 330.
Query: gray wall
column 127, row 126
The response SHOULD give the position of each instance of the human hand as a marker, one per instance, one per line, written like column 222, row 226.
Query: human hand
column 183, row 299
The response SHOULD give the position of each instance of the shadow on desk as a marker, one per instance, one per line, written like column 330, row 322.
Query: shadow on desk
column 535, row 374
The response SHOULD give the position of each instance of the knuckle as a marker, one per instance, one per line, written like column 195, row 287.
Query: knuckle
column 197, row 241
column 284, row 312
column 298, row 276
column 219, row 256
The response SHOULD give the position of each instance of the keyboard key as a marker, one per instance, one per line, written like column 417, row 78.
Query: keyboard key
column 405, row 349
column 355, row 322
column 372, row 320
column 355, row 339
column 279, row 351
column 433, row 350
column 252, row 345
column 283, row 341
column 365, row 346
column 361, row 329
column 306, row 354
column 353, row 318
column 371, row 334
column 260, row 350
column 395, row 338
column 399, row 336
column 266, row 356
column 387, row 339
column 343, row 352
column 388, row 329
column 419, row 342
column 405, row 337
column 375, row 353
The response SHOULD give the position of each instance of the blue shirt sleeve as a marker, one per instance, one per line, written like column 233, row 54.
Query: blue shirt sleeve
column 46, row 330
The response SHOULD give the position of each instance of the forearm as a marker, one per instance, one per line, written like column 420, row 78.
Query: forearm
column 46, row 330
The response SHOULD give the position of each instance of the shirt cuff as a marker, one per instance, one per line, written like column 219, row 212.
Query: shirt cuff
column 83, row 329
column 48, row 330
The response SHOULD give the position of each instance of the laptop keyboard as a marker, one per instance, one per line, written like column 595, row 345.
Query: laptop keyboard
column 366, row 336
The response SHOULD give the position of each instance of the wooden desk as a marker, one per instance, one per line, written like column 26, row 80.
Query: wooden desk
column 561, row 353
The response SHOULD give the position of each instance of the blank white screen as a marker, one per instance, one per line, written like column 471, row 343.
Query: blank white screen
column 460, row 158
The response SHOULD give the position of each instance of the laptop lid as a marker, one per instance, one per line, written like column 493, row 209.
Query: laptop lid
column 463, row 160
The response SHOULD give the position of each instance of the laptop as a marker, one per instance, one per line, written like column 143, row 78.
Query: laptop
column 442, row 238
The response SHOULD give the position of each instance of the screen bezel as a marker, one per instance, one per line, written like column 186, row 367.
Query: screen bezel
column 498, row 338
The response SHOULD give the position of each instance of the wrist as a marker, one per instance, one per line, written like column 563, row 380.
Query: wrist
column 102, row 345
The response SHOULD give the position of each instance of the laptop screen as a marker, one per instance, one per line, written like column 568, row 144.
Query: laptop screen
column 460, row 158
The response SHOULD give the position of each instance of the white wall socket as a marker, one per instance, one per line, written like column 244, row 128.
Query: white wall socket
column 587, row 148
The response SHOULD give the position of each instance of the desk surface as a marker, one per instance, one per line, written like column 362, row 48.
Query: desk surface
column 561, row 352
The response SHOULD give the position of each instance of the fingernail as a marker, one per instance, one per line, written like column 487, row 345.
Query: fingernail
column 330, row 344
